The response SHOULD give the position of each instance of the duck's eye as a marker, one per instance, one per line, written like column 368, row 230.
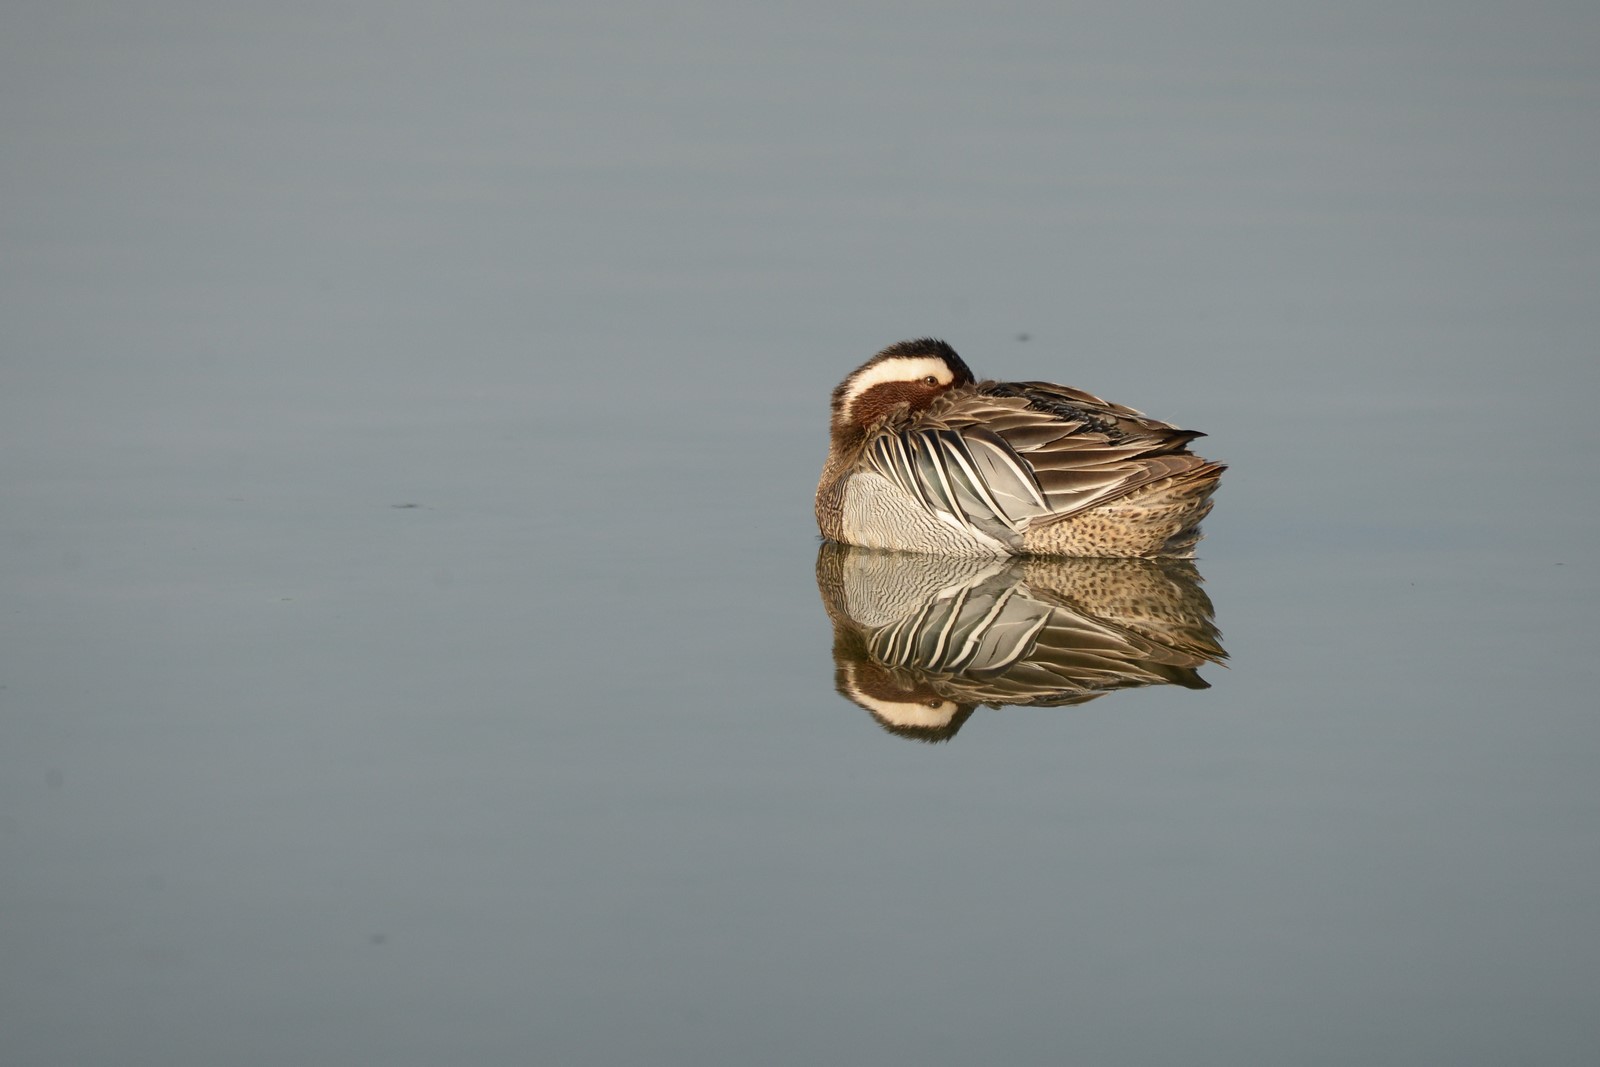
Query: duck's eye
column 930, row 380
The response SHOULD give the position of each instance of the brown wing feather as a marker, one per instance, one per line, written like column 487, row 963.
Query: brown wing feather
column 1082, row 451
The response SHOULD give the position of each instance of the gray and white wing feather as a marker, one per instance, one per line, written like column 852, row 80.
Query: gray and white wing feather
column 965, row 476
column 998, row 456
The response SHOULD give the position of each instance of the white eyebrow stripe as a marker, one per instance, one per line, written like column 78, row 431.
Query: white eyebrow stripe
column 896, row 370
column 899, row 712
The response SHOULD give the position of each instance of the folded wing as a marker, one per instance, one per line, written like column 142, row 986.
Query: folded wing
column 1001, row 455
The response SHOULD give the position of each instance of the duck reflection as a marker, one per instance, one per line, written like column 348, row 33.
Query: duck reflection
column 920, row 641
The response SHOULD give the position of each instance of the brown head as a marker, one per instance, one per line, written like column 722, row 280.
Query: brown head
column 898, row 382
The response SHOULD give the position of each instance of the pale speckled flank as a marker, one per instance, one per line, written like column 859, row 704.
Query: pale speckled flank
column 1164, row 514
column 923, row 458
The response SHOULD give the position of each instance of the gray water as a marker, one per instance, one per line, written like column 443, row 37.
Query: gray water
column 412, row 649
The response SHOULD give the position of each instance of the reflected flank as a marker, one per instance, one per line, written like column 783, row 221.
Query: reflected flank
column 921, row 641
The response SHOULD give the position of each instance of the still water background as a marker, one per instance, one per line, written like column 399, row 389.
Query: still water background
column 410, row 648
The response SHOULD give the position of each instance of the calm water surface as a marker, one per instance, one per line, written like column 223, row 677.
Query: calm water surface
column 413, row 646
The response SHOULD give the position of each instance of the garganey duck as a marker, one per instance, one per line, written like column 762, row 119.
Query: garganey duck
column 924, row 458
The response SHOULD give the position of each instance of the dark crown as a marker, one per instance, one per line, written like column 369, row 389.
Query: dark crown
column 928, row 347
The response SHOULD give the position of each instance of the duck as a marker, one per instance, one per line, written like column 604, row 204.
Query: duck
column 924, row 457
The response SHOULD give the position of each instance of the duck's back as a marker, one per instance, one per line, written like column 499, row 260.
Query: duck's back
column 998, row 468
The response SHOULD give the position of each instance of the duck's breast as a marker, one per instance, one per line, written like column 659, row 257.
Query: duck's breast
column 877, row 513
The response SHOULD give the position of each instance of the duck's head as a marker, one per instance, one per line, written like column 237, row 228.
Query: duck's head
column 903, row 706
column 901, row 380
